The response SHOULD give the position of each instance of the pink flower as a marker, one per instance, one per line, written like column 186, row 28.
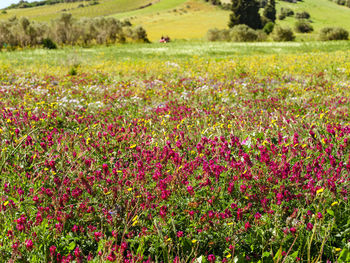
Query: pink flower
column 293, row 230
column 180, row 234
column 257, row 215
column 29, row 244
column 111, row 257
column 52, row 250
column 309, row 226
column 211, row 258
column 247, row 226
column 319, row 215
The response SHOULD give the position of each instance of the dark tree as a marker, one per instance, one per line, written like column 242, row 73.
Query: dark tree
column 270, row 10
column 245, row 12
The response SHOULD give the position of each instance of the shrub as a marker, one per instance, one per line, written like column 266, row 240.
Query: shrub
column 333, row 33
column 281, row 16
column 73, row 71
column 268, row 28
column 302, row 15
column 213, row 34
column 49, row 44
column 282, row 34
column 287, row 11
column 243, row 33
column 240, row 33
column 302, row 26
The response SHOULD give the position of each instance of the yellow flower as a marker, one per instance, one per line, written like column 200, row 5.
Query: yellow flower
column 319, row 191
column 334, row 203
column 337, row 249
column 194, row 241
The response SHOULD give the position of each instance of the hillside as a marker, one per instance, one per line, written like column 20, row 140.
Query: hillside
column 184, row 19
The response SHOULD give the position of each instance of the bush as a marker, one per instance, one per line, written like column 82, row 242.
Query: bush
column 282, row 34
column 213, row 34
column 239, row 33
column 287, row 11
column 302, row 26
column 49, row 44
column 302, row 15
column 243, row 33
column 268, row 28
column 333, row 33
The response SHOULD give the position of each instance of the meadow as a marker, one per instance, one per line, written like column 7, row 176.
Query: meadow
column 187, row 152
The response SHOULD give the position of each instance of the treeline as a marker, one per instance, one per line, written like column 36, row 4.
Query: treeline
column 68, row 31
column 247, row 24
column 25, row 4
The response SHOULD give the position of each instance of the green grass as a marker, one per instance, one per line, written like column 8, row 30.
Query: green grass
column 33, row 58
column 323, row 13
column 106, row 7
column 179, row 19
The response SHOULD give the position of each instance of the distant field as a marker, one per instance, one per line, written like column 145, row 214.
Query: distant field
column 106, row 7
column 186, row 19
column 323, row 13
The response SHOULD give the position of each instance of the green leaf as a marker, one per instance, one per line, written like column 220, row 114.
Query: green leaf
column 294, row 255
column 344, row 256
column 266, row 254
column 278, row 254
column 330, row 211
column 71, row 246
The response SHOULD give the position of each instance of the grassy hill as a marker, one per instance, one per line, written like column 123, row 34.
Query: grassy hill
column 184, row 19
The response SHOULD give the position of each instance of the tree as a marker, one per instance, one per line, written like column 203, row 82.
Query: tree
column 245, row 12
column 270, row 10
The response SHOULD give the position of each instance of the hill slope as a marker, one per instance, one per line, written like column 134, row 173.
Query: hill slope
column 184, row 19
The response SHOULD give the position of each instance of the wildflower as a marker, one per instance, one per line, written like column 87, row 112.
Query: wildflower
column 334, row 203
column 319, row 215
column 319, row 191
column 29, row 244
column 211, row 258
column 180, row 234
column 258, row 215
column 309, row 226
column 52, row 250
column 293, row 230
column 247, row 226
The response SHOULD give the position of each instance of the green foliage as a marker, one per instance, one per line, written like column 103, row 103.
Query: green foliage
column 243, row 33
column 333, row 33
column 268, row 28
column 302, row 26
column 245, row 12
column 282, row 34
column 239, row 33
column 302, row 15
column 270, row 10
column 49, row 44
column 67, row 30
column 285, row 12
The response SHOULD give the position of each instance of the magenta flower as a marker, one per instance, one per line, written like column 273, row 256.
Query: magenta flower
column 180, row 234
column 52, row 250
column 29, row 244
column 293, row 230
column 211, row 258
column 309, row 226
